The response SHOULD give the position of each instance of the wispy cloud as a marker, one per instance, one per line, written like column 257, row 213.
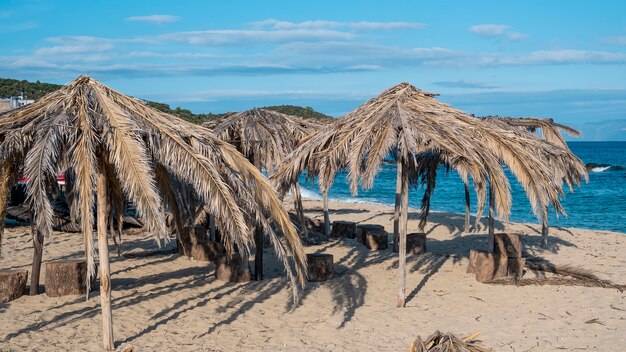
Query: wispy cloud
column 466, row 84
column 615, row 40
column 18, row 27
column 236, row 37
column 497, row 31
column 156, row 19
column 318, row 24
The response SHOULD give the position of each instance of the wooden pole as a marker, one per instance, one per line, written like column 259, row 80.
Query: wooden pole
column 326, row 217
column 396, row 211
column 37, row 257
column 212, row 229
column 491, row 244
column 103, row 253
column 402, row 236
column 545, row 229
column 258, row 238
column 467, row 208
column 297, row 199
column 4, row 198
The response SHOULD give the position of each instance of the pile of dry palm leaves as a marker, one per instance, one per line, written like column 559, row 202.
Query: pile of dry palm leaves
column 561, row 275
column 440, row 342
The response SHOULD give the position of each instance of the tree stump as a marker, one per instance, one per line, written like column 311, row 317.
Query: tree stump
column 374, row 237
column 207, row 251
column 319, row 267
column 363, row 229
column 12, row 284
column 416, row 243
column 487, row 266
column 67, row 278
column 343, row 229
column 233, row 269
column 508, row 244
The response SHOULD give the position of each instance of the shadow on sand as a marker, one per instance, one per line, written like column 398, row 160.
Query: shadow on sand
column 348, row 288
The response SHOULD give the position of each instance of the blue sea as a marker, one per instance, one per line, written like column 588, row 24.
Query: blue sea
column 598, row 205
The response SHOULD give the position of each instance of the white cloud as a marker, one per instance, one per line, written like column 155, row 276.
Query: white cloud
column 466, row 84
column 319, row 24
column 156, row 19
column 235, row 36
column 489, row 30
column 497, row 31
column 72, row 49
column 616, row 40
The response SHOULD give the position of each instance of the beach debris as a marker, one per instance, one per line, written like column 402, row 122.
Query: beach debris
column 67, row 278
column 594, row 321
column 320, row 267
column 439, row 342
column 565, row 275
column 12, row 284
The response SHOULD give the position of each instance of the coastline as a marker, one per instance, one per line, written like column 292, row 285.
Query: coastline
column 166, row 302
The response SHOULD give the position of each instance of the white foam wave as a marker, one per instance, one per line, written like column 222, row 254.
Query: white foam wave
column 309, row 194
column 600, row 168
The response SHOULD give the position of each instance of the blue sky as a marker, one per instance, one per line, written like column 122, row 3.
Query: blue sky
column 559, row 59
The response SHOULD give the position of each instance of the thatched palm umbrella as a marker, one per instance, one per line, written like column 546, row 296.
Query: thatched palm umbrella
column 265, row 137
column 426, row 133
column 550, row 132
column 120, row 148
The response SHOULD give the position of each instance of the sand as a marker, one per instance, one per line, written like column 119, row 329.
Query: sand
column 165, row 302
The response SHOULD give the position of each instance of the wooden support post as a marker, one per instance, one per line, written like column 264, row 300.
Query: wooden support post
column 103, row 254
column 326, row 217
column 258, row 259
column 297, row 199
column 37, row 257
column 491, row 244
column 258, row 237
column 396, row 212
column 402, row 234
column 544, row 233
column 4, row 198
column 467, row 207
column 212, row 229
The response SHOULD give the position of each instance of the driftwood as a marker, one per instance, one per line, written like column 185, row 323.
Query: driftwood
column 12, row 284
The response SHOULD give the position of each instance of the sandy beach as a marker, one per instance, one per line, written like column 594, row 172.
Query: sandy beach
column 166, row 302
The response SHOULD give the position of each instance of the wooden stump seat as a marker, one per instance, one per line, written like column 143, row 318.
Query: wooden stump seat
column 67, row 278
column 12, row 284
column 319, row 267
column 343, row 229
column 189, row 238
column 508, row 244
column 373, row 237
column 207, row 251
column 416, row 243
column 233, row 269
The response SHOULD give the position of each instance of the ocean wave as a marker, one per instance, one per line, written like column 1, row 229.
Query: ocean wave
column 600, row 169
column 309, row 194
column 593, row 167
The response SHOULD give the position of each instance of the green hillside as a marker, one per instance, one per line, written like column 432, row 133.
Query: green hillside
column 32, row 90
column 304, row 112
column 35, row 90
